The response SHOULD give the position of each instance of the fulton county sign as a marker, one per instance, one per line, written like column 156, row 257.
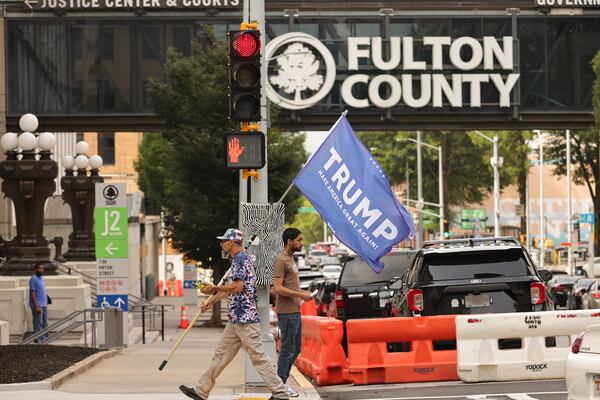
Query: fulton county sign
column 302, row 71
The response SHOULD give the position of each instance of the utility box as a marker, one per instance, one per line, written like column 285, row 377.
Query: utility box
column 113, row 327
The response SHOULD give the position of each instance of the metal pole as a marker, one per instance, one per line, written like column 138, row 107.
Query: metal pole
column 419, row 191
column 570, row 266
column 324, row 231
column 496, row 189
column 143, row 324
column 528, row 211
column 441, row 189
column 542, row 246
column 407, row 182
column 164, row 250
column 162, row 321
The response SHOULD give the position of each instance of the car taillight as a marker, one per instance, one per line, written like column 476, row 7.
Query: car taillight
column 415, row 299
column 538, row 293
column 596, row 295
column 339, row 299
column 577, row 344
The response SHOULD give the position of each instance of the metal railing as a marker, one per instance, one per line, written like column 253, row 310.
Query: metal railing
column 69, row 324
column 155, row 313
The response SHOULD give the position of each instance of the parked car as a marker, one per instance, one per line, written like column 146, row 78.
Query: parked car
column 332, row 271
column 559, row 287
column 314, row 258
column 577, row 291
column 340, row 253
column 470, row 276
column 301, row 261
column 591, row 299
column 306, row 278
column 362, row 293
column 328, row 260
column 583, row 366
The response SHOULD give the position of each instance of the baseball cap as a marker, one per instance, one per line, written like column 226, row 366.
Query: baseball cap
column 232, row 234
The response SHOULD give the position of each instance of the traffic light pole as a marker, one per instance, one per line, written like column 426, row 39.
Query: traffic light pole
column 259, row 192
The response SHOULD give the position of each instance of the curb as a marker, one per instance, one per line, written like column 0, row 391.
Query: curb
column 17, row 387
column 309, row 390
column 58, row 379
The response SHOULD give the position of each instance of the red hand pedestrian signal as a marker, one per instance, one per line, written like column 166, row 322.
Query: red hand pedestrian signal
column 235, row 150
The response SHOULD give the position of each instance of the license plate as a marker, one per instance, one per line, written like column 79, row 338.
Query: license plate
column 477, row 300
column 596, row 383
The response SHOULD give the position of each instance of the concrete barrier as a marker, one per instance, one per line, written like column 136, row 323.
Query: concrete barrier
column 4, row 338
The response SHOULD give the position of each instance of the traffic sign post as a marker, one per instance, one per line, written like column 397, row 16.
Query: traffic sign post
column 112, row 249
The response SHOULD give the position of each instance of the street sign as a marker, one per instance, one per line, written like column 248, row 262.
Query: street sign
column 111, row 268
column 587, row 218
column 112, row 248
column 472, row 219
column 307, row 210
column 114, row 301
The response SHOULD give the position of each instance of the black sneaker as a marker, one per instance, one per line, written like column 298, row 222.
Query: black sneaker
column 273, row 397
column 190, row 392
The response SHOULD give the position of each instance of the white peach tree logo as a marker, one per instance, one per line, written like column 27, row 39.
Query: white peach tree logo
column 297, row 71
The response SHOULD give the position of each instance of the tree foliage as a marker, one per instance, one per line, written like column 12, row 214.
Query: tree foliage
column 183, row 169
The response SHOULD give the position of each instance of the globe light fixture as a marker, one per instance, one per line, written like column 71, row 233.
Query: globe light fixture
column 9, row 141
column 96, row 161
column 46, row 141
column 82, row 147
column 28, row 123
column 68, row 162
column 27, row 141
column 81, row 162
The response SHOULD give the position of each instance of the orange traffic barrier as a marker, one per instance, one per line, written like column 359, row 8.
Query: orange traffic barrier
column 322, row 357
column 308, row 308
column 395, row 350
column 175, row 288
column 183, row 322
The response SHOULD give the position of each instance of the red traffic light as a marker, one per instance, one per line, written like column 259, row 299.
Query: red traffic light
column 245, row 150
column 246, row 44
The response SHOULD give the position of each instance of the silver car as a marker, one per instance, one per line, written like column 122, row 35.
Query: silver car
column 591, row 299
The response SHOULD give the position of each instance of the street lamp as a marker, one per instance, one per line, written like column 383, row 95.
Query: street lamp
column 28, row 180
column 496, row 164
column 79, row 191
column 420, row 201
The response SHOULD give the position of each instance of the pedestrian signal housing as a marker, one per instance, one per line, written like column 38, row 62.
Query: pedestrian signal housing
column 245, row 150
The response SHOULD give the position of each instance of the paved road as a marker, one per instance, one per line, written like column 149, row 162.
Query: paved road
column 529, row 390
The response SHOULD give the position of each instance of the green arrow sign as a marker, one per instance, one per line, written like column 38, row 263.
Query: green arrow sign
column 111, row 248
column 110, row 222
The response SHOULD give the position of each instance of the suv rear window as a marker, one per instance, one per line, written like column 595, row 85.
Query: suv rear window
column 473, row 265
column 357, row 273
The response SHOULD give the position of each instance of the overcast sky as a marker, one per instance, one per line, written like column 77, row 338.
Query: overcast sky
column 313, row 141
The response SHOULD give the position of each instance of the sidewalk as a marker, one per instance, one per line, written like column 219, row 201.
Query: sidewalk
column 134, row 373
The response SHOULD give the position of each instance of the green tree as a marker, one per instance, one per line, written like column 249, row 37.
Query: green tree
column 182, row 168
column 310, row 224
column 585, row 148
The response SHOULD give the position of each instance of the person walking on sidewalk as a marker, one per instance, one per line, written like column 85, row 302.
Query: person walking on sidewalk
column 286, row 285
column 38, row 301
column 243, row 328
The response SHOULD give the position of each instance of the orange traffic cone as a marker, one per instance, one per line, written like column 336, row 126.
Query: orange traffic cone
column 184, row 323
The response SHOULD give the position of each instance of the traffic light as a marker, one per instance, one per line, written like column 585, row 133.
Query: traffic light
column 244, row 75
column 245, row 150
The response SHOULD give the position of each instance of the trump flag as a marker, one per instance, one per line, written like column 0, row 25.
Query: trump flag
column 352, row 194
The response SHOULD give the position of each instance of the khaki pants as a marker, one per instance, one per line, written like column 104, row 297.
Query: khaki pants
column 246, row 336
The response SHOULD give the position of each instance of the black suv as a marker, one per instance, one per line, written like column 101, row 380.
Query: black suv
column 362, row 293
column 470, row 276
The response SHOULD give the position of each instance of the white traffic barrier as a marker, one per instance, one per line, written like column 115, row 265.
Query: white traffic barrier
column 518, row 346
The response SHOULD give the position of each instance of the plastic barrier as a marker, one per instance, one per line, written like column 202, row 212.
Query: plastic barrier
column 518, row 346
column 322, row 357
column 308, row 308
column 413, row 358
column 175, row 288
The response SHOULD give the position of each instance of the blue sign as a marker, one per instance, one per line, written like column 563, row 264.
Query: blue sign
column 587, row 218
column 350, row 191
column 189, row 284
column 113, row 300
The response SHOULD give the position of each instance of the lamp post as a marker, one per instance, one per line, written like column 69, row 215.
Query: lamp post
column 79, row 192
column 440, row 181
column 496, row 164
column 28, row 180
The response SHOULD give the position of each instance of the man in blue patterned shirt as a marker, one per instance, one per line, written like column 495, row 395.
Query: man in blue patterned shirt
column 243, row 328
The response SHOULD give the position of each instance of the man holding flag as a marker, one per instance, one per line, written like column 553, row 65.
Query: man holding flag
column 352, row 194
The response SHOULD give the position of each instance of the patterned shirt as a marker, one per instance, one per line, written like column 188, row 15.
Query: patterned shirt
column 243, row 307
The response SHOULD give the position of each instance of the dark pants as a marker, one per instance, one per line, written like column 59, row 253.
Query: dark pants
column 290, row 326
column 40, row 321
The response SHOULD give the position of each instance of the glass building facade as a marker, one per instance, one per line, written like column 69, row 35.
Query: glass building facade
column 100, row 67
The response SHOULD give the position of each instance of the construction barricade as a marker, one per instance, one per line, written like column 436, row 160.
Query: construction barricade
column 393, row 350
column 322, row 357
column 518, row 346
column 308, row 308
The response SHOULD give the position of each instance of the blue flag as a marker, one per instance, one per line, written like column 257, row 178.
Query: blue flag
column 351, row 192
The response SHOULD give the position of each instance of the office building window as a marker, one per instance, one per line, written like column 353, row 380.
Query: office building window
column 106, row 147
